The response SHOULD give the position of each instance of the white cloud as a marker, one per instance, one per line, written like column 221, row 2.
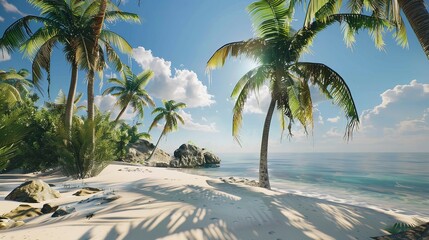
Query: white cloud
column 333, row 132
column 183, row 86
column 4, row 55
column 333, row 120
column 194, row 126
column 11, row 8
column 1, row 19
column 107, row 103
column 258, row 102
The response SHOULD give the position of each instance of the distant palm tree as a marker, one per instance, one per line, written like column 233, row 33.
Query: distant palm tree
column 415, row 11
column 169, row 114
column 278, row 48
column 69, row 23
column 13, row 84
column 59, row 105
column 130, row 90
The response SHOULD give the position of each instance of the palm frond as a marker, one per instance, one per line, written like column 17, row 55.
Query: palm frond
column 331, row 82
column 113, row 16
column 116, row 40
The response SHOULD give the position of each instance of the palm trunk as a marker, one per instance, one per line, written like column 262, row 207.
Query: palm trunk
column 70, row 99
column 97, row 27
column 153, row 152
column 264, row 180
column 418, row 17
column 120, row 113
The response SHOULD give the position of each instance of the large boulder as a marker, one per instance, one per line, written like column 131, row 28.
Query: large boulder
column 140, row 151
column 34, row 191
column 191, row 156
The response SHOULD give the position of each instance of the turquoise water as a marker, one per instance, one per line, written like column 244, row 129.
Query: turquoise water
column 395, row 181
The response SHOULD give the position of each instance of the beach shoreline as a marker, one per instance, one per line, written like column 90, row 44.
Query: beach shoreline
column 158, row 203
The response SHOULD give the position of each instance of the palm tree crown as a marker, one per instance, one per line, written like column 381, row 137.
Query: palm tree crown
column 13, row 84
column 130, row 90
column 277, row 48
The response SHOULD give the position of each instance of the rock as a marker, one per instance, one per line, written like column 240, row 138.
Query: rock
column 62, row 211
column 190, row 156
column 102, row 198
column 140, row 151
column 86, row 191
column 33, row 191
column 6, row 223
column 48, row 208
column 23, row 211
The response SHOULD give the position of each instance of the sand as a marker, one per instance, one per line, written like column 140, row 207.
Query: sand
column 157, row 203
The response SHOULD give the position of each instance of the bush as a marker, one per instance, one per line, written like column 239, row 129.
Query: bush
column 79, row 158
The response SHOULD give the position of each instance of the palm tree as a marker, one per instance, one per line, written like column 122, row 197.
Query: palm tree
column 169, row 114
column 415, row 11
column 59, row 105
column 69, row 23
column 13, row 84
column 278, row 48
column 130, row 90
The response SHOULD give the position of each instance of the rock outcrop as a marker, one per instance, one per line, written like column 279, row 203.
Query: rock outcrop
column 191, row 156
column 22, row 212
column 62, row 211
column 140, row 151
column 34, row 191
column 6, row 223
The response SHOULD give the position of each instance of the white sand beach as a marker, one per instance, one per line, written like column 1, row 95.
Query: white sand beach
column 157, row 203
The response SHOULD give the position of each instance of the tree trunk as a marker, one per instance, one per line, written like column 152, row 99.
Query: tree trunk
column 120, row 113
column 418, row 17
column 97, row 27
column 264, row 180
column 153, row 152
column 70, row 100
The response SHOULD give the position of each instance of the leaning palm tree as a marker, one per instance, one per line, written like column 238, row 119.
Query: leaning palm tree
column 130, row 90
column 13, row 84
column 170, row 115
column 415, row 11
column 69, row 23
column 278, row 48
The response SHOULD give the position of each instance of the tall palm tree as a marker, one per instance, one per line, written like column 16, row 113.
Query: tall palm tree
column 170, row 115
column 69, row 23
column 130, row 90
column 415, row 11
column 278, row 48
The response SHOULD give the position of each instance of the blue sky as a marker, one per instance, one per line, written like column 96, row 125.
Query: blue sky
column 176, row 38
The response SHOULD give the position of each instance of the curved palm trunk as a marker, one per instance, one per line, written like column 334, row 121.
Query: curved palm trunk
column 153, row 152
column 120, row 113
column 97, row 27
column 418, row 17
column 264, row 180
column 70, row 99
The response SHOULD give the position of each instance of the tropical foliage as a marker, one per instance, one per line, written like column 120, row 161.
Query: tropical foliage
column 14, row 84
column 130, row 90
column 414, row 10
column 171, row 117
column 69, row 23
column 277, row 49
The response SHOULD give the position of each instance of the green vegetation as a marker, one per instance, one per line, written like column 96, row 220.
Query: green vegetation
column 170, row 115
column 130, row 90
column 277, row 49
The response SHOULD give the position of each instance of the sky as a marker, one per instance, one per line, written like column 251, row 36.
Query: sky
column 177, row 37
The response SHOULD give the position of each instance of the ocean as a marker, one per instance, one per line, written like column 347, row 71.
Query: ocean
column 390, row 181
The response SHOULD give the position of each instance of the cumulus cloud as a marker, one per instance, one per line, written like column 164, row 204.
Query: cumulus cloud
column 108, row 104
column 10, row 7
column 194, row 126
column 401, row 119
column 333, row 132
column 333, row 120
column 183, row 85
column 4, row 55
